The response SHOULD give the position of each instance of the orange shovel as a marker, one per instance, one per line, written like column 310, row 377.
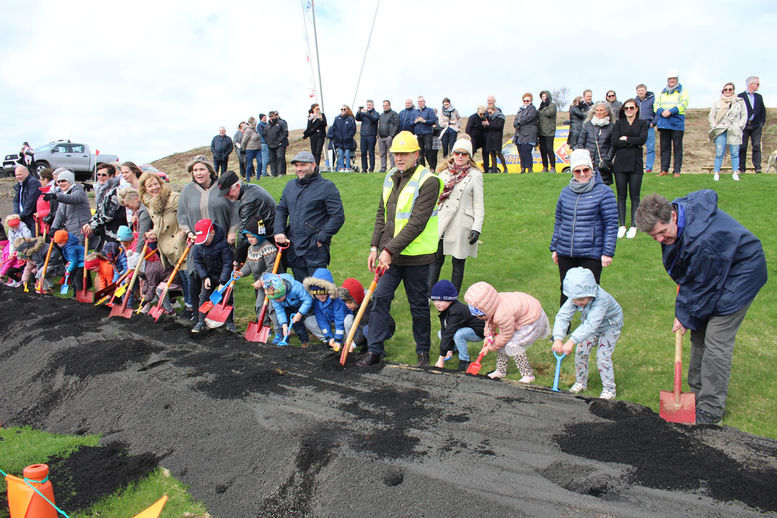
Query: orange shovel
column 84, row 295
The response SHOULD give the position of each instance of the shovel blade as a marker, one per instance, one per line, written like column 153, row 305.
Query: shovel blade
column 156, row 312
column 219, row 313
column 682, row 410
column 215, row 298
column 121, row 311
column 206, row 306
column 257, row 333
column 85, row 296
column 63, row 289
column 474, row 368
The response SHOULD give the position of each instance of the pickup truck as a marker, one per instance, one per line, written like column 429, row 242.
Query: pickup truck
column 71, row 155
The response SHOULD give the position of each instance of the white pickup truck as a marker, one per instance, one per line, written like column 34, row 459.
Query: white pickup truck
column 71, row 155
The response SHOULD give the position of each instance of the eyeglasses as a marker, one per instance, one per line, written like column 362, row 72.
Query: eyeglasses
column 527, row 100
column 585, row 170
column 460, row 153
column 343, row 110
column 629, row 107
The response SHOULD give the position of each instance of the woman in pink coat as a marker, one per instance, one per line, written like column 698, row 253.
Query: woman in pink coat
column 514, row 321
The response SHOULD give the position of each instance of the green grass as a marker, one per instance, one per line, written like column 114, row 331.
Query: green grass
column 514, row 256
column 24, row 446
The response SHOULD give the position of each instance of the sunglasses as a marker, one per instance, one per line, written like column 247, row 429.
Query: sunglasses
column 527, row 100
column 61, row 181
column 629, row 107
column 343, row 110
column 102, row 175
column 610, row 95
column 585, row 170
column 728, row 89
column 460, row 153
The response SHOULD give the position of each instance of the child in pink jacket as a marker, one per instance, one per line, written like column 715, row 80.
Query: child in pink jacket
column 514, row 321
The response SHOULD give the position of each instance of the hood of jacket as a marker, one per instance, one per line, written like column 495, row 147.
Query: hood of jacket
column 26, row 246
column 546, row 92
column 322, row 278
column 484, row 297
column 579, row 282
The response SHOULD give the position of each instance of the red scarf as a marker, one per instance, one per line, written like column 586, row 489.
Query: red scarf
column 457, row 175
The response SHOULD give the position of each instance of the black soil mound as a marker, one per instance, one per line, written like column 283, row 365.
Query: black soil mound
column 668, row 456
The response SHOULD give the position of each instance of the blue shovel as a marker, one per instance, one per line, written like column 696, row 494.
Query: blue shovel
column 64, row 288
column 285, row 340
column 559, row 357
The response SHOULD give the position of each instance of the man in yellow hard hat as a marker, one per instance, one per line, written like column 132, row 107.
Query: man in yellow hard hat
column 403, row 244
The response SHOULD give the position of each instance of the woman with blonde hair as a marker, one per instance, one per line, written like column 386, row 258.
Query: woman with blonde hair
column 460, row 212
column 595, row 137
column 728, row 117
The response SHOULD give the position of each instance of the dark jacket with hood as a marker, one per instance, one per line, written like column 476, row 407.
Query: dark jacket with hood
column 597, row 140
column 547, row 116
column 718, row 264
column 456, row 317
column 276, row 132
column 628, row 153
column 214, row 261
column 577, row 113
column 333, row 310
column 342, row 131
column 315, row 126
column 495, row 131
column 310, row 211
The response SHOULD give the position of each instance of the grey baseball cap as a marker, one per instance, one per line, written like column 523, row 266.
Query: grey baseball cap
column 304, row 156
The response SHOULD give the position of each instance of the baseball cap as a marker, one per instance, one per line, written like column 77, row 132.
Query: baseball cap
column 201, row 231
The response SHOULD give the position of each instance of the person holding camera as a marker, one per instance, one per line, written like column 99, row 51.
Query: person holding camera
column 595, row 137
column 368, row 134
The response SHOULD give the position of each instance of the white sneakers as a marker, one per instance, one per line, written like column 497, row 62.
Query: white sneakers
column 716, row 177
column 632, row 233
column 621, row 232
column 735, row 176
column 496, row 375
column 527, row 379
column 577, row 388
column 606, row 394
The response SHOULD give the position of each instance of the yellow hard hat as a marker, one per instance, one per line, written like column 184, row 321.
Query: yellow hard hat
column 404, row 142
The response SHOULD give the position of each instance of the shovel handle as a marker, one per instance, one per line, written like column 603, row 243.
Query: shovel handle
column 678, row 364
column 359, row 315
column 39, row 288
column 86, row 252
column 172, row 275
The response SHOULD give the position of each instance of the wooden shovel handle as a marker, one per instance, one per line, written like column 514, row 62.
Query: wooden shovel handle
column 86, row 252
column 175, row 271
column 359, row 315
column 678, row 363
column 45, row 267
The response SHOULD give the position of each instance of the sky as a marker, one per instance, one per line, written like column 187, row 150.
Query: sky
column 146, row 79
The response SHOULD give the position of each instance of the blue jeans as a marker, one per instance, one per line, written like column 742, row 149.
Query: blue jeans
column 265, row 161
column 650, row 146
column 251, row 155
column 461, row 337
column 720, row 152
column 343, row 159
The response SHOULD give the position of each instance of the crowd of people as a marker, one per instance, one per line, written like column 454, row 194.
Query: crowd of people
column 187, row 246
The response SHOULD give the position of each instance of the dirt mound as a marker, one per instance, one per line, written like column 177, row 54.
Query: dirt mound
column 282, row 431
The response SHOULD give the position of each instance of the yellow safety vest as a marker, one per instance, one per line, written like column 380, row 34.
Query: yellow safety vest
column 427, row 241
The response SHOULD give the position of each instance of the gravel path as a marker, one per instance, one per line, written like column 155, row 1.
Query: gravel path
column 266, row 431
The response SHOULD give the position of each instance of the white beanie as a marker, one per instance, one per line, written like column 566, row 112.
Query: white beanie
column 463, row 145
column 580, row 157
column 67, row 175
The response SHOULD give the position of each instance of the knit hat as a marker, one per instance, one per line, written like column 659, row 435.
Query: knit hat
column 580, row 157
column 321, row 283
column 12, row 220
column 273, row 285
column 201, row 230
column 61, row 237
column 463, row 144
column 226, row 181
column 111, row 251
column 352, row 291
column 444, row 290
column 124, row 233
column 256, row 229
column 58, row 171
column 68, row 175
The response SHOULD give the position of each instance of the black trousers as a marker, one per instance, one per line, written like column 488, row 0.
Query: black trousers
column 490, row 157
column 241, row 159
column 220, row 164
column 427, row 154
column 367, row 144
column 630, row 183
column 316, row 145
column 754, row 134
column 278, row 161
column 672, row 140
column 566, row 263
column 547, row 153
column 457, row 274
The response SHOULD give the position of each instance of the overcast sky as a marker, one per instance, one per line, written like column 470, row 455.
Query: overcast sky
column 146, row 79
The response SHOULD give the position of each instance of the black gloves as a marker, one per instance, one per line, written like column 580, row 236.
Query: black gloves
column 473, row 236
column 50, row 196
column 87, row 186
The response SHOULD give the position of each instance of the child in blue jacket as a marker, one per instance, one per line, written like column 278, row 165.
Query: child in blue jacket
column 330, row 310
column 600, row 323
column 288, row 297
column 73, row 253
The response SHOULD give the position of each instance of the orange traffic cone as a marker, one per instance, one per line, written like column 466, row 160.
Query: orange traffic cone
column 24, row 501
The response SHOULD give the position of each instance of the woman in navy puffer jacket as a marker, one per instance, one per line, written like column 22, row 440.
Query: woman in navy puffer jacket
column 341, row 134
column 586, row 227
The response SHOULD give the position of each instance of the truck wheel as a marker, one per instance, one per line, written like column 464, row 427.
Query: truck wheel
column 40, row 166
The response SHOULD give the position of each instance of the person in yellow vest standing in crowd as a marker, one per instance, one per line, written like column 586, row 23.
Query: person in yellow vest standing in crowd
column 403, row 244
column 670, row 106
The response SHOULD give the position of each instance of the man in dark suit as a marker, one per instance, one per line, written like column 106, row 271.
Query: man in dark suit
column 756, row 117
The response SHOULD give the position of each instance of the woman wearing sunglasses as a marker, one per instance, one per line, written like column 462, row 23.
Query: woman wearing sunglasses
column 728, row 117
column 460, row 212
column 628, row 136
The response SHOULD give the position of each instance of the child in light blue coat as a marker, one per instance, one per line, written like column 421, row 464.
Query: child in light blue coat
column 600, row 323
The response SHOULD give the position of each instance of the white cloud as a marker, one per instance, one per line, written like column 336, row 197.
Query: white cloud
column 146, row 79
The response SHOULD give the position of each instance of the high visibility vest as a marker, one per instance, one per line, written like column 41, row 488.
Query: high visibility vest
column 427, row 241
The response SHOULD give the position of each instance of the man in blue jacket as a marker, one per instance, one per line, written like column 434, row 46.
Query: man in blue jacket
column 407, row 116
column 309, row 213
column 423, row 126
column 369, row 134
column 756, row 117
column 719, row 267
column 25, row 196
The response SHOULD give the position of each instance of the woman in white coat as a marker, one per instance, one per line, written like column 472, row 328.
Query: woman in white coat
column 728, row 117
column 460, row 212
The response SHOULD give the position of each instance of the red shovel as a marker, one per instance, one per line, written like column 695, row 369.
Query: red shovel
column 123, row 310
column 218, row 315
column 157, row 310
column 84, row 295
column 674, row 406
column 474, row 367
column 257, row 331
column 359, row 314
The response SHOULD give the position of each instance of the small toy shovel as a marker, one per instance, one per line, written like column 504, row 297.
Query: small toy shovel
column 559, row 357
column 285, row 340
column 64, row 288
column 474, row 367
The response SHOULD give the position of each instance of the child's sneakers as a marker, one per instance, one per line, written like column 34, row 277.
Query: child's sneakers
column 577, row 388
column 497, row 375
column 606, row 394
column 621, row 232
column 527, row 379
column 197, row 329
